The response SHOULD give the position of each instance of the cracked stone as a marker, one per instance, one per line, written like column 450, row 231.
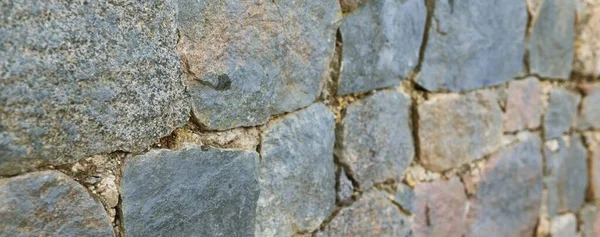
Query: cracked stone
column 374, row 138
column 509, row 195
column 50, row 203
column 563, row 226
column 562, row 112
column 297, row 173
column 471, row 128
column 552, row 38
column 244, row 61
column 405, row 197
column 345, row 189
column 466, row 37
column 523, row 105
column 196, row 191
column 440, row 209
column 79, row 86
column 589, row 115
column 590, row 218
column 382, row 40
column 372, row 215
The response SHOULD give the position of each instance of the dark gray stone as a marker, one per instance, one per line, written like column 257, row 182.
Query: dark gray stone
column 473, row 44
column 50, row 203
column 374, row 139
column 552, row 39
column 81, row 79
column 405, row 197
column 244, row 61
column 566, row 176
column 297, row 173
column 561, row 114
column 382, row 40
column 589, row 117
column 191, row 192
column 508, row 198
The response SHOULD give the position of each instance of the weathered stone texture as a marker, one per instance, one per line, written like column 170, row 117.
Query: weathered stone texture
column 566, row 176
column 593, row 140
column 81, row 79
column 508, row 197
column 374, row 139
column 244, row 61
column 372, row 215
column 50, row 203
column 590, row 218
column 190, row 192
column 454, row 129
column 345, row 188
column 405, row 197
column 589, row 114
column 473, row 44
column 587, row 41
column 550, row 44
column 441, row 209
column 382, row 40
column 561, row 113
column 297, row 175
column 564, row 226
column 523, row 105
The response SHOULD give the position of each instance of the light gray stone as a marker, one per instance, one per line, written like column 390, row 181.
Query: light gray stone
column 372, row 215
column 345, row 188
column 297, row 173
column 244, row 61
column 523, row 105
column 374, row 138
column 382, row 40
column 566, row 176
column 190, row 192
column 552, row 39
column 50, row 203
column 564, row 226
column 589, row 115
column 81, row 79
column 455, row 129
column 405, row 197
column 561, row 113
column 508, row 197
column 473, row 44
column 590, row 218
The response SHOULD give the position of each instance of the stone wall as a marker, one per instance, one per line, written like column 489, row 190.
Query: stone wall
column 300, row 118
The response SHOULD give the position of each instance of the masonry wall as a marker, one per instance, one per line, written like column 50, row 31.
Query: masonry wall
column 300, row 118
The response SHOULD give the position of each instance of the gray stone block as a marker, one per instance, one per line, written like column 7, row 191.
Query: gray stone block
column 589, row 117
column 561, row 113
column 405, row 197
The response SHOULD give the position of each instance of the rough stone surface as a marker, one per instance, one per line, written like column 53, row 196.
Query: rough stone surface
column 374, row 138
column 297, row 175
column 345, row 188
column 523, row 105
column 441, row 209
column 550, row 44
column 81, row 79
column 562, row 112
column 351, row 5
column 471, row 127
column 190, row 192
column 566, row 176
column 466, row 38
column 587, row 41
column 405, row 197
column 508, row 197
column 382, row 40
column 372, row 215
column 589, row 114
column 244, row 61
column 593, row 140
column 590, row 218
column 50, row 203
column 564, row 226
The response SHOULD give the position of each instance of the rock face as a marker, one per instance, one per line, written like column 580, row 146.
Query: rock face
column 466, row 37
column 589, row 115
column 550, row 44
column 297, row 175
column 564, row 226
column 561, row 114
column 372, row 215
column 523, row 105
column 191, row 192
column 382, row 40
column 86, row 80
column 441, row 209
column 471, row 128
column 50, row 203
column 508, row 198
column 345, row 188
column 567, row 176
column 244, row 61
column 405, row 197
column 374, row 138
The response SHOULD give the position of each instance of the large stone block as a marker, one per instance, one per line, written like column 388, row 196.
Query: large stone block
column 455, row 129
column 374, row 138
column 589, row 114
column 473, row 44
column 508, row 197
column 50, row 203
column 523, row 105
column 81, row 79
column 561, row 114
column 552, row 37
column 190, row 192
column 382, row 40
column 297, row 173
column 246, row 60
column 441, row 209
